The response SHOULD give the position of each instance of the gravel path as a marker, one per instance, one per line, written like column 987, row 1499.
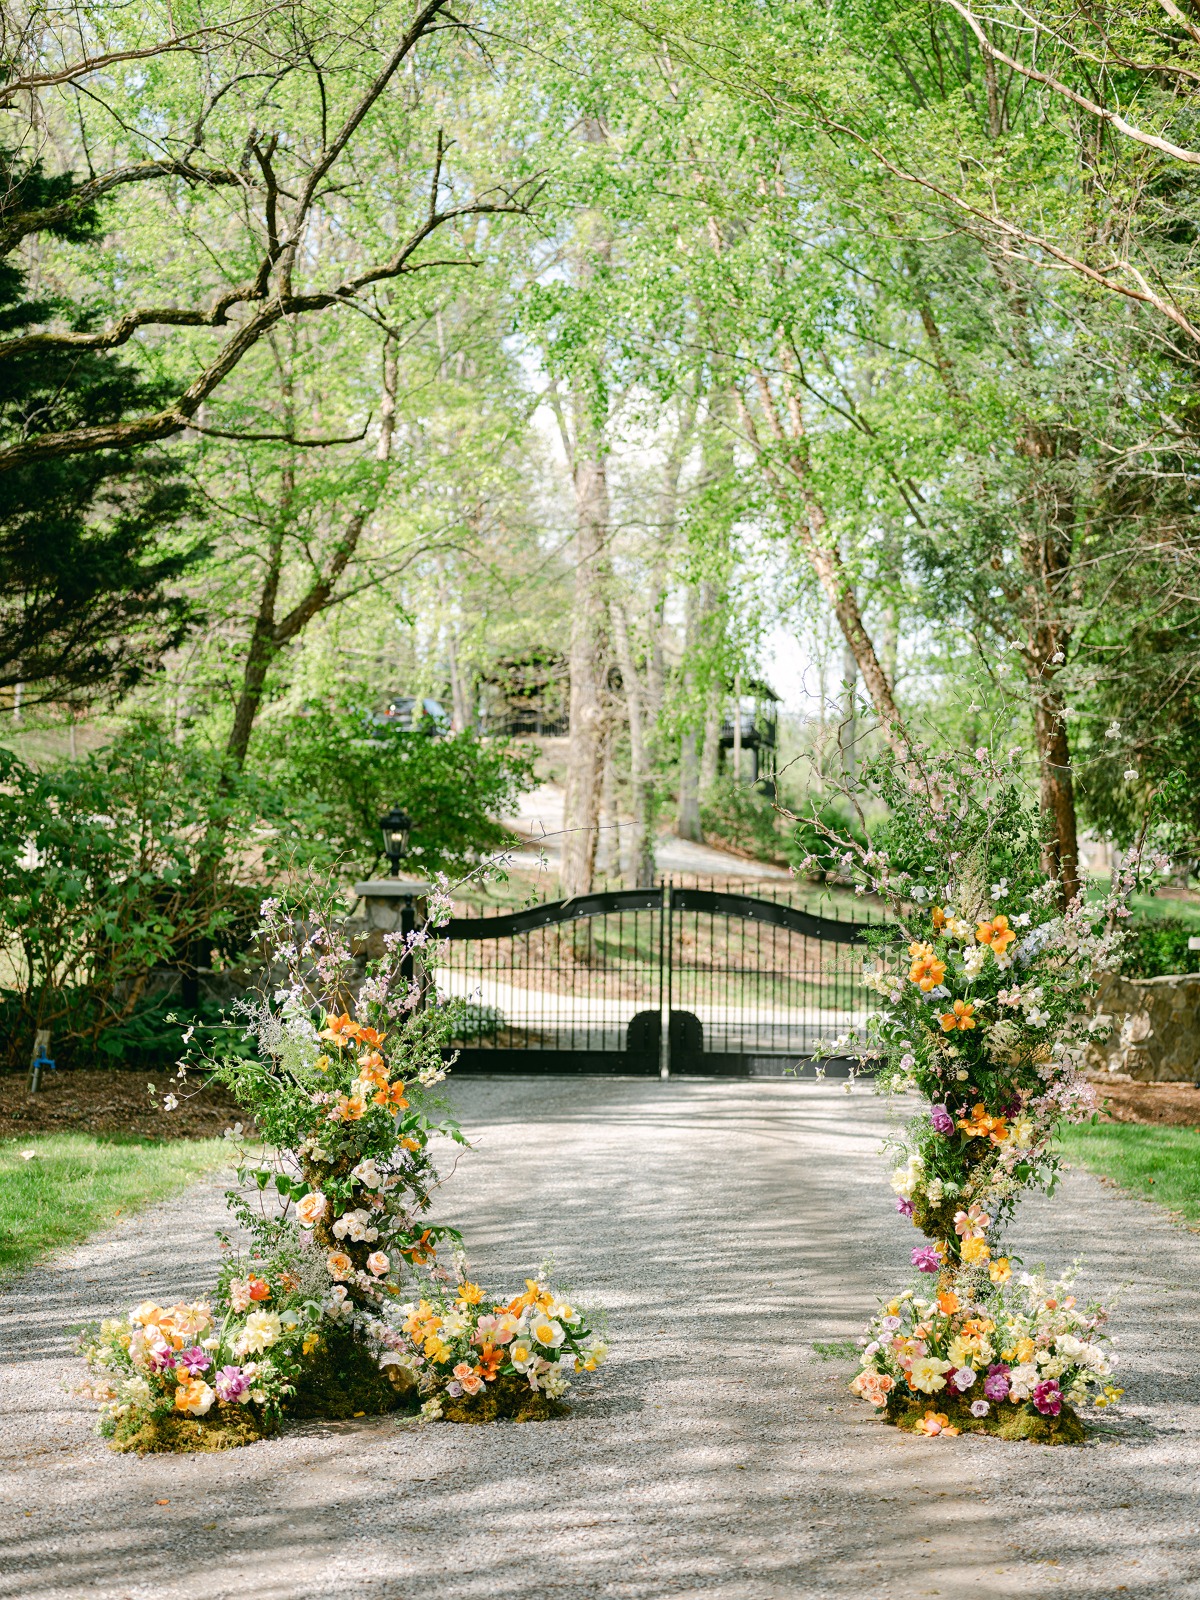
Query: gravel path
column 725, row 1227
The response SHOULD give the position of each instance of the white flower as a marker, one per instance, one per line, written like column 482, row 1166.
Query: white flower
column 548, row 1332
column 999, row 890
column 455, row 1323
column 1036, row 1017
column 135, row 1392
column 1022, row 920
column 262, row 1328
column 1022, row 1380
column 964, row 1377
column 170, row 1102
column 367, row 1173
column 974, row 959
column 1113, row 731
column 906, row 1180
column 1130, row 774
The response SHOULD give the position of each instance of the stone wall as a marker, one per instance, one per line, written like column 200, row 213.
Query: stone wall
column 1155, row 1029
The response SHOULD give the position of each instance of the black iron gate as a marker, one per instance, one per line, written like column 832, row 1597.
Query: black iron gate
column 652, row 982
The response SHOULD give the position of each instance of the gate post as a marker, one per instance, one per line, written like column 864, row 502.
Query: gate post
column 664, row 988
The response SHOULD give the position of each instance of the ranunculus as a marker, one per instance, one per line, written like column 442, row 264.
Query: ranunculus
column 942, row 1121
column 338, row 1264
column 979, row 1408
column 964, row 1377
column 377, row 1263
column 311, row 1209
column 995, row 1385
column 262, row 1329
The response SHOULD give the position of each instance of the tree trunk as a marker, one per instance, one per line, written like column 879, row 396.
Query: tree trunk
column 687, row 823
column 710, row 753
column 587, row 660
column 1061, row 851
column 640, row 873
column 848, row 729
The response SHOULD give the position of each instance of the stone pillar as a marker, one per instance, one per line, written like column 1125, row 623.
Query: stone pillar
column 391, row 905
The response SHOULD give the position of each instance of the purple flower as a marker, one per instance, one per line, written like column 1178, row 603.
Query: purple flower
column 1047, row 1397
column 194, row 1359
column 964, row 1378
column 926, row 1259
column 232, row 1386
column 454, row 1388
column 161, row 1360
column 942, row 1121
column 995, row 1385
column 980, row 1408
column 904, row 1207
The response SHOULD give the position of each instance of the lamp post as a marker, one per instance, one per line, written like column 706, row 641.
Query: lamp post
column 396, row 828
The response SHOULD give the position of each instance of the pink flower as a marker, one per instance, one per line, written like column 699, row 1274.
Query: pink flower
column 231, row 1384
column 194, row 1360
column 377, row 1263
column 926, row 1259
column 1047, row 1397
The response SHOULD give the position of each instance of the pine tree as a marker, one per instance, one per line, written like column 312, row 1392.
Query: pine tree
column 86, row 569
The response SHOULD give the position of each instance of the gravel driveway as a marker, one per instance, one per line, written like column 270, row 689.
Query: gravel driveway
column 725, row 1226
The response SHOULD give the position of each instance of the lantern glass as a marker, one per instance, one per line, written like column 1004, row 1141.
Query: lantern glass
column 396, row 828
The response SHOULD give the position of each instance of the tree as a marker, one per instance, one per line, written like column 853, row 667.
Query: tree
column 88, row 562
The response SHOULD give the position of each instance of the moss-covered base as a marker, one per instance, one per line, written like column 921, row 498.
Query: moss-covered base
column 225, row 1428
column 1004, row 1421
column 341, row 1379
column 509, row 1399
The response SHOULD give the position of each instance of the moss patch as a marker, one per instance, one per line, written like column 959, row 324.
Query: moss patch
column 341, row 1379
column 225, row 1429
column 1005, row 1421
column 510, row 1399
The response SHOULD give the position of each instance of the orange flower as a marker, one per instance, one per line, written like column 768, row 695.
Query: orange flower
column 260, row 1289
column 963, row 1016
column 410, row 1143
column 939, row 917
column 370, row 1037
column 933, row 1423
column 927, row 971
column 391, row 1095
column 996, row 934
column 348, row 1109
column 289, row 1282
column 340, row 1030
column 421, row 1251
column 873, row 1386
column 469, row 1294
column 338, row 1264
column 980, row 1126
column 947, row 1302
column 534, row 1296
column 489, row 1361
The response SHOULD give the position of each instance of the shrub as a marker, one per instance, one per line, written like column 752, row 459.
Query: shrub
column 741, row 818
column 453, row 788
column 141, row 856
column 1158, row 948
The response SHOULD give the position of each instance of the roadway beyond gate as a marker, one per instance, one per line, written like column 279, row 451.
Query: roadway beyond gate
column 653, row 982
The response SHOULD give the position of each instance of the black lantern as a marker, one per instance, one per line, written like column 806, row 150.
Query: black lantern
column 396, row 826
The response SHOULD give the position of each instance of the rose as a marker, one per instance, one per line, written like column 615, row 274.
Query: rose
column 942, row 1121
column 311, row 1208
column 377, row 1263
column 338, row 1265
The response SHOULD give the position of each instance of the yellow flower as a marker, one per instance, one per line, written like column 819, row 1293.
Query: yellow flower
column 925, row 1374
column 311, row 1341
column 974, row 1250
column 469, row 1294
column 1025, row 1349
column 999, row 1270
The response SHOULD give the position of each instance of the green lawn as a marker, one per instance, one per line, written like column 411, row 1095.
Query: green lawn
column 1161, row 1164
column 76, row 1183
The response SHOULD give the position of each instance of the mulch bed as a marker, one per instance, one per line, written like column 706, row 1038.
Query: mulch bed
column 114, row 1101
column 1170, row 1105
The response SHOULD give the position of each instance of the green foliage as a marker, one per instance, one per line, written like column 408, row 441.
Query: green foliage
column 453, row 788
column 742, row 819
column 1158, row 947
column 138, row 857
column 814, row 852
column 88, row 568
